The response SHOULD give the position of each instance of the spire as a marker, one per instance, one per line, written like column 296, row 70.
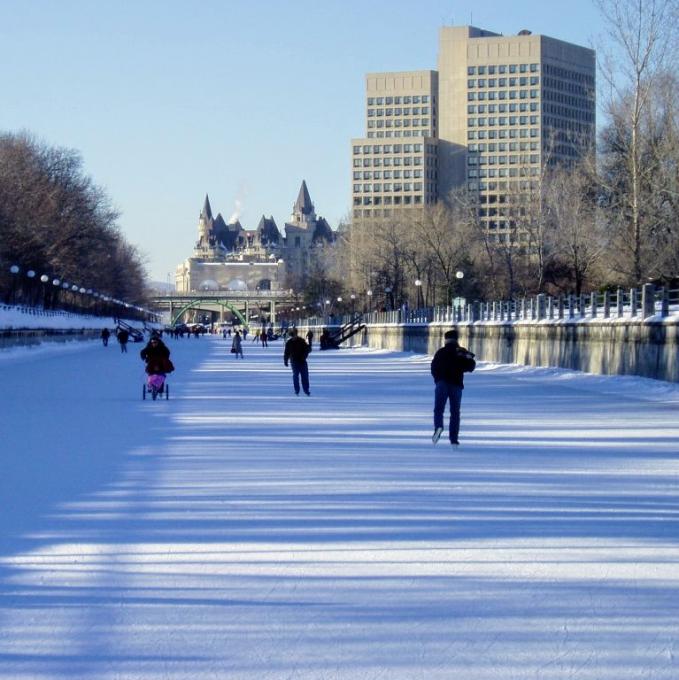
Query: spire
column 206, row 212
column 303, row 204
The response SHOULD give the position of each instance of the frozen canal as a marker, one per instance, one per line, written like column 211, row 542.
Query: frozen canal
column 239, row 532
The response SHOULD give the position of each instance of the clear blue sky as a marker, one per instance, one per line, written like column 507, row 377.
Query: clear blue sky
column 242, row 99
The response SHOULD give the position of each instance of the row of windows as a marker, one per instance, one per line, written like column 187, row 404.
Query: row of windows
column 502, row 68
column 503, row 146
column 503, row 160
column 408, row 99
column 503, row 108
column 523, row 185
column 415, row 111
column 523, row 81
column 568, row 75
column 503, row 120
column 568, row 125
column 398, row 122
column 425, row 132
column 502, row 94
column 388, row 200
column 568, row 86
column 388, row 186
column 393, row 148
column 565, row 112
column 503, row 134
column 392, row 200
column 473, row 173
column 388, row 161
column 388, row 174
column 575, row 102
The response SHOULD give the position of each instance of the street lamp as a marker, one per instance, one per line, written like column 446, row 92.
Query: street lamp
column 14, row 270
column 418, row 284
column 387, row 290
column 369, row 293
column 353, row 303
column 459, row 275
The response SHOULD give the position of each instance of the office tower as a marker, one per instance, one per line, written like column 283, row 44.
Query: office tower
column 504, row 108
column 395, row 164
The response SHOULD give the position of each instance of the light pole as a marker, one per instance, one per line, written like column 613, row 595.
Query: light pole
column 459, row 275
column 353, row 304
column 14, row 271
column 418, row 285
column 369, row 293
column 387, row 291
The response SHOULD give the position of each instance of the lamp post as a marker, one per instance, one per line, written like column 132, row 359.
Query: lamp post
column 418, row 285
column 14, row 271
column 30, row 274
column 459, row 275
column 390, row 301
column 369, row 293
column 353, row 304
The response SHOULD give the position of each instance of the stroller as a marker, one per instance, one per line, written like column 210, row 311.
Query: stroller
column 156, row 383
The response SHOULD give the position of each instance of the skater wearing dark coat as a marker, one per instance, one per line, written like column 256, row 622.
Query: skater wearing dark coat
column 123, row 336
column 296, row 353
column 156, row 354
column 448, row 367
column 105, row 335
column 237, row 346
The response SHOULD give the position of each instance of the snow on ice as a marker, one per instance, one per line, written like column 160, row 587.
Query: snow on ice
column 239, row 532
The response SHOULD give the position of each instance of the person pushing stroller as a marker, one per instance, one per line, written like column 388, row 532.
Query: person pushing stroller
column 156, row 355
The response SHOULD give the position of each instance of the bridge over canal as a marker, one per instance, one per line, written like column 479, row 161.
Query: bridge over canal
column 242, row 303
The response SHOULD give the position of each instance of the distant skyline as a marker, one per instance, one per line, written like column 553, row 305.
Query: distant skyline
column 167, row 101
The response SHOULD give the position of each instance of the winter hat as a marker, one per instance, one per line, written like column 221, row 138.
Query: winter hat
column 450, row 336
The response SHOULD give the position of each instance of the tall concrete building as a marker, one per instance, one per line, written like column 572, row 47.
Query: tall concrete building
column 502, row 109
column 395, row 164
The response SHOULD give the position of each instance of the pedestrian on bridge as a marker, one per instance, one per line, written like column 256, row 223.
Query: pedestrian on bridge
column 448, row 367
column 296, row 353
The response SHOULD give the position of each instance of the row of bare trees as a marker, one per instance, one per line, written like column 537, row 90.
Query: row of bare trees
column 55, row 221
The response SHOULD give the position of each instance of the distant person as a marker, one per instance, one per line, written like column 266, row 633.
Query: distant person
column 105, row 335
column 296, row 353
column 310, row 339
column 123, row 336
column 237, row 346
column 264, row 339
column 448, row 367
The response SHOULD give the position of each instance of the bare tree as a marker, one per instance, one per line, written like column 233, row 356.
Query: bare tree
column 643, row 33
column 580, row 239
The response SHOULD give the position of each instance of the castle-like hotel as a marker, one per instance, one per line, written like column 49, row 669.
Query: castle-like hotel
column 231, row 258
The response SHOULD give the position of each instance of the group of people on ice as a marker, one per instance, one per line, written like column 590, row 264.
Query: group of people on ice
column 448, row 367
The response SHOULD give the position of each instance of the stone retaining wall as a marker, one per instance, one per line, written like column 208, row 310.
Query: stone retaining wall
column 645, row 348
column 35, row 336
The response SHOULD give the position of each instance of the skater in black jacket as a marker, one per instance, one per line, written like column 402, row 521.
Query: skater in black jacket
column 296, row 352
column 448, row 367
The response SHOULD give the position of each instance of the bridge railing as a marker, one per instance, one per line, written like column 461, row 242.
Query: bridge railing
column 229, row 294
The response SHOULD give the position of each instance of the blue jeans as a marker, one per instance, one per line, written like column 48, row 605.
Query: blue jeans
column 445, row 391
column 300, row 368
